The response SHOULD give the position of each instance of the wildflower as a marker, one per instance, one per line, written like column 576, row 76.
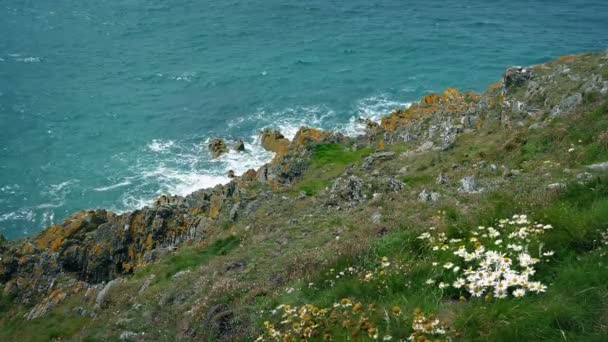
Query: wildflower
column 442, row 285
column 387, row 338
column 396, row 310
column 519, row 293
column 548, row 253
column 448, row 265
column 459, row 283
column 430, row 281
column 424, row 236
column 345, row 302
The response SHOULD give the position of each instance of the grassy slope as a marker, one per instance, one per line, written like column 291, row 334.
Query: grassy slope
column 292, row 244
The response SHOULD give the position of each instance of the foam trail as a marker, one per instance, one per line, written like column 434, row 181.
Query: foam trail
column 113, row 186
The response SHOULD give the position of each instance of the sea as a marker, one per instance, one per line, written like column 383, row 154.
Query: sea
column 110, row 103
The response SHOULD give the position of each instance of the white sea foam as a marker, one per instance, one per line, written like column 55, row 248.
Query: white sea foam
column 372, row 108
column 188, row 167
column 29, row 59
column 158, row 145
column 182, row 183
column 186, row 76
column 113, row 186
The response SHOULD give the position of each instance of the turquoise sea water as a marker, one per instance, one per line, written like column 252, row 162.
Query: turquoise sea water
column 108, row 103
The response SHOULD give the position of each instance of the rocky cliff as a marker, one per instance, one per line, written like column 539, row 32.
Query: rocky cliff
column 94, row 251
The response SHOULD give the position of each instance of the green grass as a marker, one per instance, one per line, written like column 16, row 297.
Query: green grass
column 327, row 162
column 187, row 258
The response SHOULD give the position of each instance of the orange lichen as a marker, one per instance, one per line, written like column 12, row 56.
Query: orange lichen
column 149, row 242
column 54, row 246
column 495, row 86
column 216, row 205
column 450, row 101
column 306, row 135
column 567, row 58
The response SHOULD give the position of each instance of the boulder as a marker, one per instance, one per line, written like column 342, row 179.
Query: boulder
column 348, row 189
column 239, row 146
column 567, row 105
column 274, row 141
column 102, row 297
column 516, row 76
column 555, row 186
column 469, row 185
column 600, row 167
column 217, row 147
column 428, row 196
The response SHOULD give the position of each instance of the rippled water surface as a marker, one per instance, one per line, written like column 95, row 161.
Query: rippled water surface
column 110, row 103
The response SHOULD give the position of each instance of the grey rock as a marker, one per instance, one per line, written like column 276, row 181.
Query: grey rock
column 601, row 167
column 394, row 184
column 469, row 185
column 348, row 189
column 239, row 146
column 538, row 125
column 428, row 196
column 584, row 177
column 234, row 211
column 376, row 217
column 102, row 297
column 442, row 179
column 555, row 186
column 128, row 335
column 566, row 105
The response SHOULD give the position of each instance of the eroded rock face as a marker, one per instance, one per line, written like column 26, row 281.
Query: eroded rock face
column 217, row 147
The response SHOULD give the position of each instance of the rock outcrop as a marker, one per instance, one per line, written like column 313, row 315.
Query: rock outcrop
column 217, row 147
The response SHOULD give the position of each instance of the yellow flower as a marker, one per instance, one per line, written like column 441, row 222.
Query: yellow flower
column 396, row 310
